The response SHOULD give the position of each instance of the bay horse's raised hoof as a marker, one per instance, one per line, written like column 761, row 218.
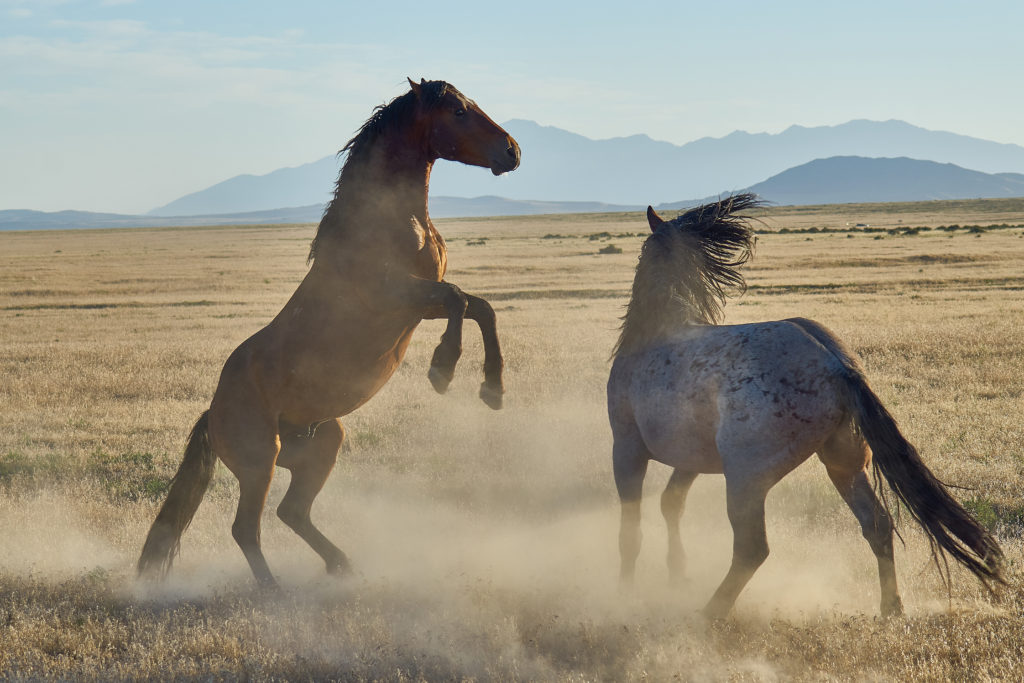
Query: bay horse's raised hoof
column 440, row 379
column 491, row 396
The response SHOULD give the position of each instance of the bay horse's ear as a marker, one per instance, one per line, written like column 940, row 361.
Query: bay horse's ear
column 653, row 218
column 414, row 85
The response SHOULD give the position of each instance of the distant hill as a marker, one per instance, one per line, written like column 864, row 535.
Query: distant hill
column 440, row 207
column 846, row 180
column 71, row 220
column 455, row 207
column 562, row 166
column 836, row 180
column 306, row 185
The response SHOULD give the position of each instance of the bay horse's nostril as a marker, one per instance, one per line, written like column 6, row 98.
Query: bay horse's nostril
column 512, row 151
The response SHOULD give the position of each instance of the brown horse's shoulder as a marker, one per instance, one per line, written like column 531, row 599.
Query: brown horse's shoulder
column 433, row 253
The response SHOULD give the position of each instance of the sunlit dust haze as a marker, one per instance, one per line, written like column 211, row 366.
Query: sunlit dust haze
column 485, row 543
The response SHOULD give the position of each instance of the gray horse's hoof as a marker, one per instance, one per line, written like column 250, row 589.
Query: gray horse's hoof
column 892, row 609
column 439, row 379
column 491, row 396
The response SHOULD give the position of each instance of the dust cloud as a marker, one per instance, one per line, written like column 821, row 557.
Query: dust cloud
column 484, row 546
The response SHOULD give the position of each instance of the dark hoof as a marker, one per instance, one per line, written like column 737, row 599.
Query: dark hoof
column 340, row 568
column 715, row 612
column 491, row 396
column 269, row 588
column 892, row 610
column 440, row 379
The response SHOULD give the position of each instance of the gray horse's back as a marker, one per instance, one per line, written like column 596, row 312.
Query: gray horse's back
column 715, row 395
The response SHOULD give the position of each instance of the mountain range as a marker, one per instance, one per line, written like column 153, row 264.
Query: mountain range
column 561, row 166
column 562, row 172
column 838, row 179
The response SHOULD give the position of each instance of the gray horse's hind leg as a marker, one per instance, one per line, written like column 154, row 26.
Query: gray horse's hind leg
column 876, row 525
column 846, row 458
column 745, row 501
column 672, row 501
column 629, row 462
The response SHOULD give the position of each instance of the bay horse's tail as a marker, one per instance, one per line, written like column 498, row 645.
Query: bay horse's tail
column 949, row 527
column 186, row 492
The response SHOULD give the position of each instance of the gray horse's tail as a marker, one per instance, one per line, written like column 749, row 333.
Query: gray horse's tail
column 186, row 492
column 948, row 526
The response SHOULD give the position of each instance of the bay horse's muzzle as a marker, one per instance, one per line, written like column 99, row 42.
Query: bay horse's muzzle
column 509, row 161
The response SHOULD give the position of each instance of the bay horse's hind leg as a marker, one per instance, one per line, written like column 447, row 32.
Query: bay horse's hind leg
column 253, row 485
column 311, row 458
column 846, row 458
column 673, row 498
column 247, row 444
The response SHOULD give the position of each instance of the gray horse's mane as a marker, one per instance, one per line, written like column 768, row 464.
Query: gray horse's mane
column 687, row 268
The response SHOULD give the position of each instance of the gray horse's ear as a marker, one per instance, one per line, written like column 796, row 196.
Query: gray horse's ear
column 653, row 218
column 414, row 85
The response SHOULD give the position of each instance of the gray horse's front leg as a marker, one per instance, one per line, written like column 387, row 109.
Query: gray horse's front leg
column 629, row 464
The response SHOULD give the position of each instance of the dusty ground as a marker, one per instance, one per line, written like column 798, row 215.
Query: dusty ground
column 486, row 543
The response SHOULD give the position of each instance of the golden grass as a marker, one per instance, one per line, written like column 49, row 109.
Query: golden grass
column 486, row 543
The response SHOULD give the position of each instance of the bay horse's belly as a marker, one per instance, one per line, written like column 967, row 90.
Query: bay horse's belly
column 310, row 375
column 335, row 384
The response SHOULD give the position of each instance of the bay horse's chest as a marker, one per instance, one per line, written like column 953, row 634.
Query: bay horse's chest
column 433, row 255
column 431, row 259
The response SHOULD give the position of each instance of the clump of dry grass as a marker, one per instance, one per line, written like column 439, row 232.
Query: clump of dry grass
column 484, row 543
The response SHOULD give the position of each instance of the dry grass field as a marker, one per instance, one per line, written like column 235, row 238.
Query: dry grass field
column 485, row 543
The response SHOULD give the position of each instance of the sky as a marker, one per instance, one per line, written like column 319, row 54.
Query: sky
column 126, row 105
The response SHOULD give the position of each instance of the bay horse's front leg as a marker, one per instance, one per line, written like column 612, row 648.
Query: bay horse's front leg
column 492, row 389
column 454, row 304
column 445, row 300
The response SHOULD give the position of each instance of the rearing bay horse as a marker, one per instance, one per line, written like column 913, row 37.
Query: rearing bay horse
column 377, row 271
column 752, row 402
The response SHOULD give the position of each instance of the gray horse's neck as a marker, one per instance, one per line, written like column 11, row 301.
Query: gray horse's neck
column 653, row 318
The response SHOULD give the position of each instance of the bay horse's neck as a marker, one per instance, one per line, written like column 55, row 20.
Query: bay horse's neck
column 386, row 181
column 382, row 187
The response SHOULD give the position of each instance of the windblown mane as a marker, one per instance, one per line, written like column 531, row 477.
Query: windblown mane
column 687, row 269
column 397, row 112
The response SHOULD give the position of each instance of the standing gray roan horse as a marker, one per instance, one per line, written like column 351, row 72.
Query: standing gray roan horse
column 752, row 402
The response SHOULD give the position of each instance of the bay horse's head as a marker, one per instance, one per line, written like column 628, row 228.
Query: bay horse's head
column 455, row 128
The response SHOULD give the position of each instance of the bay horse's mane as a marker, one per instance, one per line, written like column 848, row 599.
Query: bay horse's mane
column 397, row 112
column 687, row 268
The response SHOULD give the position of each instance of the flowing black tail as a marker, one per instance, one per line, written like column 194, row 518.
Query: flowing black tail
column 187, row 490
column 949, row 527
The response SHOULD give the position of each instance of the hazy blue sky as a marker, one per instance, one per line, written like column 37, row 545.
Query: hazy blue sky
column 122, row 105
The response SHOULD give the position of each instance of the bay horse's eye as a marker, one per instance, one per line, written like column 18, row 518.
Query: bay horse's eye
column 460, row 112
